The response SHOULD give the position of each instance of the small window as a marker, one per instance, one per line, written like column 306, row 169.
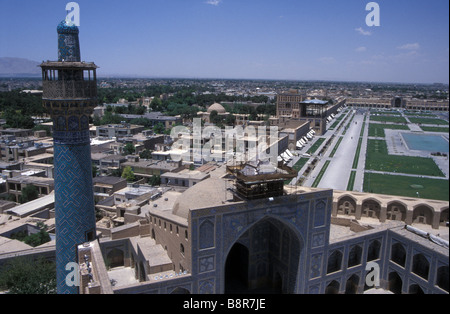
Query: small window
column 90, row 236
column 182, row 249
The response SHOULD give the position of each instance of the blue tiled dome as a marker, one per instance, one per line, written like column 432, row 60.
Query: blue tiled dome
column 64, row 28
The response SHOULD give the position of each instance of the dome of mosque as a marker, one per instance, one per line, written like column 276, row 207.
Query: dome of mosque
column 67, row 28
column 216, row 107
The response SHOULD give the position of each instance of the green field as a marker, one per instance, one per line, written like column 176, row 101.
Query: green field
column 351, row 181
column 377, row 130
column 378, row 159
column 393, row 119
column 428, row 121
column 358, row 152
column 434, row 189
column 299, row 165
column 321, row 173
column 434, row 129
column 333, row 152
column 315, row 146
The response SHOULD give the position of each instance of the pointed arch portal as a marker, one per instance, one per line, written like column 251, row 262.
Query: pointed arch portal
column 267, row 262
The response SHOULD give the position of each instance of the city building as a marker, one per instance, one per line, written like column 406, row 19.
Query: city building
column 297, row 106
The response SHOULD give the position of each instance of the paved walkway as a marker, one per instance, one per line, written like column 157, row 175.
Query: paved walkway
column 338, row 173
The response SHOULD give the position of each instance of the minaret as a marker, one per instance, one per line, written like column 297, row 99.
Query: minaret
column 70, row 95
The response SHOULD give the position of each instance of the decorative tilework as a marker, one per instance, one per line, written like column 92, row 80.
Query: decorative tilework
column 318, row 240
column 316, row 265
column 206, row 286
column 74, row 206
column 206, row 264
column 68, row 43
column 206, row 235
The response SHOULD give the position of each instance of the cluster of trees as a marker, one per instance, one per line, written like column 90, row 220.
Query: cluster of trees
column 17, row 108
column 34, row 239
column 28, row 276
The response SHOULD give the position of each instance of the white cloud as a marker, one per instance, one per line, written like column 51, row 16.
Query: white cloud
column 361, row 49
column 414, row 46
column 213, row 2
column 363, row 32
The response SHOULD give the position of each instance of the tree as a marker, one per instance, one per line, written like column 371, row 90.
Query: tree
column 29, row 193
column 26, row 276
column 128, row 174
column 146, row 154
column 129, row 149
column 159, row 128
column 39, row 238
column 154, row 180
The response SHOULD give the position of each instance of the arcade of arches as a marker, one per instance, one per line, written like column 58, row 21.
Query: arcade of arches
column 409, row 211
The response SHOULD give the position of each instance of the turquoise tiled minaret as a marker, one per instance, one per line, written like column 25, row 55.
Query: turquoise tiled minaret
column 70, row 95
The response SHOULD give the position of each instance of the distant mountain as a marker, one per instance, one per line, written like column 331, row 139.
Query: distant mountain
column 18, row 67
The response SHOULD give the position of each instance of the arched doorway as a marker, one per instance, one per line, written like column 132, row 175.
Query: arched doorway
column 351, row 286
column 396, row 211
column 423, row 214
column 415, row 289
column 236, row 269
column 332, row 288
column 267, row 263
column 395, row 283
column 115, row 258
column 371, row 209
column 346, row 206
column 180, row 291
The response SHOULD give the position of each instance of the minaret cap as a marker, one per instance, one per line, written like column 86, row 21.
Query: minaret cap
column 68, row 42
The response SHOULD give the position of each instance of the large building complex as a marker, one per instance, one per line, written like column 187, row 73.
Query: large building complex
column 296, row 106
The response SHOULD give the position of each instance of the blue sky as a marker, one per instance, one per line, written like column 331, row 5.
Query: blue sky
column 254, row 39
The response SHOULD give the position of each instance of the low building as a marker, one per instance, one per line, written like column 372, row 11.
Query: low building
column 184, row 178
column 118, row 130
column 107, row 186
column 15, row 185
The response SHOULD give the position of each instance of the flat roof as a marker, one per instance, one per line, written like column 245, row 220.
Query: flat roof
column 33, row 206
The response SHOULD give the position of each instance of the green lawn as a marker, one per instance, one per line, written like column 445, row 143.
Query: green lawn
column 434, row 129
column 299, row 165
column 321, row 173
column 428, row 121
column 392, row 119
column 377, row 130
column 434, row 189
column 351, row 181
column 378, row 159
column 419, row 114
column 357, row 153
column 315, row 146
column 333, row 152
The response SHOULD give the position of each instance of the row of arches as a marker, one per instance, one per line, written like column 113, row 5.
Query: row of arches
column 394, row 210
column 336, row 257
column 418, row 265
column 395, row 282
